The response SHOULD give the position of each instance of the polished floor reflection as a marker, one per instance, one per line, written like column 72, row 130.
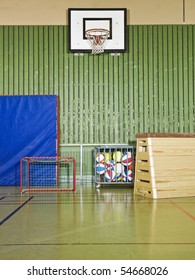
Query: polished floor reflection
column 108, row 223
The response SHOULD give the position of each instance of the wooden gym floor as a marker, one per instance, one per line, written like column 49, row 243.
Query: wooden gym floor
column 95, row 224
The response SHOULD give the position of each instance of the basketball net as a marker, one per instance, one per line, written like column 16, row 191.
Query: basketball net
column 97, row 39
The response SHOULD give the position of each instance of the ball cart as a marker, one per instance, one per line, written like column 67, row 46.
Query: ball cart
column 114, row 165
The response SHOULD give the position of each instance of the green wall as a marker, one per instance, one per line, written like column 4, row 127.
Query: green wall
column 104, row 98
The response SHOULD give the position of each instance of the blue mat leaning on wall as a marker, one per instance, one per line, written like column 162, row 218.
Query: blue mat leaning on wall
column 28, row 127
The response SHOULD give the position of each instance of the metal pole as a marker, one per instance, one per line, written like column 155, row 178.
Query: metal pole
column 81, row 160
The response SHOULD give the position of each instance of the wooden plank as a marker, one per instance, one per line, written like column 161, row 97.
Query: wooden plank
column 172, row 186
column 143, row 189
column 159, row 174
column 176, row 184
column 142, row 155
column 174, row 162
column 142, row 144
column 142, row 164
column 166, row 150
column 166, row 175
column 143, row 175
column 172, row 141
column 143, row 184
column 174, row 194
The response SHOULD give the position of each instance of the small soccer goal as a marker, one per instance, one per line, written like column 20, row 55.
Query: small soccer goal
column 48, row 174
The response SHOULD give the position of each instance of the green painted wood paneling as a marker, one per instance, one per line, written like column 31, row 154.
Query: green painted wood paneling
column 105, row 98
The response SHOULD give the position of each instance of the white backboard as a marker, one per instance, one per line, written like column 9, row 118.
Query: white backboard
column 80, row 20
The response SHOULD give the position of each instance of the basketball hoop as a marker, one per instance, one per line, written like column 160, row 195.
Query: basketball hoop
column 97, row 38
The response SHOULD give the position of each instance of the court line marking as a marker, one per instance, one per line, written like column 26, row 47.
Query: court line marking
column 10, row 202
column 96, row 244
column 182, row 209
column 16, row 210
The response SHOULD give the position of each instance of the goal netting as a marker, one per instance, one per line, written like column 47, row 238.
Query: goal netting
column 47, row 174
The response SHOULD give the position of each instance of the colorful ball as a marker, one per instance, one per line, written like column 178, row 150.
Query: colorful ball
column 107, row 157
column 110, row 164
column 100, row 168
column 100, row 157
column 118, row 168
column 117, row 156
column 127, row 176
column 130, row 167
column 127, row 158
column 118, row 177
column 110, row 175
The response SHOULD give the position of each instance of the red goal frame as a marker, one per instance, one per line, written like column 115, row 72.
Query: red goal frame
column 31, row 180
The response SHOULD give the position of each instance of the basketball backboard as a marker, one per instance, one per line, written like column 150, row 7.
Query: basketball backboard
column 81, row 20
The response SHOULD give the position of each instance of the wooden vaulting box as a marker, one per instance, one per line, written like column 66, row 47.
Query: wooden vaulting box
column 165, row 165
